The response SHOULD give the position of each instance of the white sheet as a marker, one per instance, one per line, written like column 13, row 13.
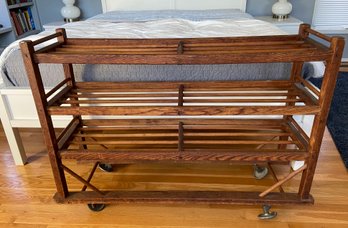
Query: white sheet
column 167, row 28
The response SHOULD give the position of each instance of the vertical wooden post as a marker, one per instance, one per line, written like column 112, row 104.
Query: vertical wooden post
column 68, row 69
column 69, row 74
column 326, row 94
column 296, row 72
column 38, row 91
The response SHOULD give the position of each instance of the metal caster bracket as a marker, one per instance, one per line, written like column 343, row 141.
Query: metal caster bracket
column 266, row 213
column 260, row 172
column 106, row 167
column 96, row 207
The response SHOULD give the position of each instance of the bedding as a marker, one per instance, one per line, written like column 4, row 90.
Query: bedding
column 150, row 24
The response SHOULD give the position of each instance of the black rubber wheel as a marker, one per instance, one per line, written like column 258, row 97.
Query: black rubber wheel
column 260, row 172
column 106, row 167
column 96, row 207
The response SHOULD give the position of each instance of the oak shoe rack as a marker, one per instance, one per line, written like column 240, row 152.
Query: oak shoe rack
column 192, row 135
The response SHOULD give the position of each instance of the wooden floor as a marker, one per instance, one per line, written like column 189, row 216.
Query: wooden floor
column 26, row 194
column 344, row 67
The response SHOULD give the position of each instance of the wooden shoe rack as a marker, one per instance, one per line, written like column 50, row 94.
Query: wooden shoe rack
column 184, row 129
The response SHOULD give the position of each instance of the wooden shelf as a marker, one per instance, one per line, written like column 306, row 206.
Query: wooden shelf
column 5, row 30
column 184, row 99
column 16, row 6
column 186, row 51
column 31, row 32
column 189, row 140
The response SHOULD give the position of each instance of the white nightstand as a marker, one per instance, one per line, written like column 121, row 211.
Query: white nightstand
column 53, row 25
column 290, row 25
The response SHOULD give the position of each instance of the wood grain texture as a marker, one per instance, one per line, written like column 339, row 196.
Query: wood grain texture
column 37, row 88
column 27, row 191
column 213, row 149
column 193, row 98
column 260, row 49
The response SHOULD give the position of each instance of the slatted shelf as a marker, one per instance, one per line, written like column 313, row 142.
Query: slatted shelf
column 185, row 140
column 183, row 98
column 185, row 50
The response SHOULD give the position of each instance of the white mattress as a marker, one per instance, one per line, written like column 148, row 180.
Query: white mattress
column 162, row 28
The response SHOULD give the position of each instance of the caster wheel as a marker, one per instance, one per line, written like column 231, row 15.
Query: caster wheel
column 96, row 207
column 266, row 213
column 105, row 167
column 260, row 172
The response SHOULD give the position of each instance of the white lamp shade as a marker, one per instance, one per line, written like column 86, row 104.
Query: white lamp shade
column 70, row 11
column 282, row 8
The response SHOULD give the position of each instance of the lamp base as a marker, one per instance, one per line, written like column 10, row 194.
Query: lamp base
column 68, row 20
column 281, row 17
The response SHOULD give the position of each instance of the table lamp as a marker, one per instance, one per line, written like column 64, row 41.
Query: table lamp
column 281, row 9
column 70, row 12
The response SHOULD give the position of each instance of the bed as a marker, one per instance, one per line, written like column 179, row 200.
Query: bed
column 172, row 18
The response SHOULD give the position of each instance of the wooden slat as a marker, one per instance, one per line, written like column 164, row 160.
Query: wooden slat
column 59, row 96
column 306, row 95
column 310, row 86
column 188, row 59
column 216, row 197
column 52, row 91
column 243, row 94
column 86, row 94
column 181, row 95
column 79, row 178
column 275, row 178
column 279, row 183
column 187, row 121
column 174, row 142
column 184, row 111
column 49, row 47
column 300, row 135
column 188, row 50
column 113, row 95
column 67, row 132
column 159, row 102
column 46, row 38
column 250, row 100
column 201, row 155
column 189, row 86
column 90, row 175
column 135, row 101
column 173, row 43
column 197, row 52
column 187, row 134
column 320, row 35
column 298, row 128
column 181, row 137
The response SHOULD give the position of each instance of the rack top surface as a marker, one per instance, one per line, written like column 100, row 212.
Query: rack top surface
column 256, row 49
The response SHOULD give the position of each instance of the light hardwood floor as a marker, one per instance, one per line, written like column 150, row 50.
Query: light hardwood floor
column 26, row 194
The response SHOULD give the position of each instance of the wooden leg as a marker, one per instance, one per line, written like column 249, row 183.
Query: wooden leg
column 12, row 134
